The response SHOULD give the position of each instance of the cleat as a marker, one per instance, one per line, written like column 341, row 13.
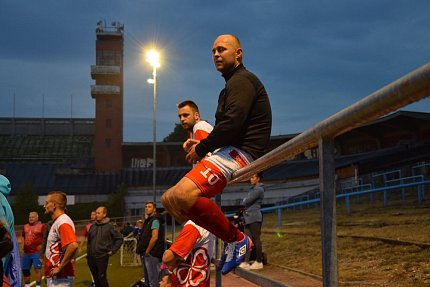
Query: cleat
column 223, row 257
column 235, row 253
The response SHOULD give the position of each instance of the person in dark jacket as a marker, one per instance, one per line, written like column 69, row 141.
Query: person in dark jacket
column 240, row 135
column 103, row 241
column 150, row 245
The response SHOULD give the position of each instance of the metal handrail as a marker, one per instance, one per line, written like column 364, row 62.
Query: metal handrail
column 406, row 90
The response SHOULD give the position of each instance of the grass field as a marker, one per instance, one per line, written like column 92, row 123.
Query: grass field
column 372, row 246
column 372, row 243
column 117, row 275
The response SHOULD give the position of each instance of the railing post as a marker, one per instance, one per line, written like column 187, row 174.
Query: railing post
column 348, row 205
column 279, row 217
column 328, row 212
column 218, row 280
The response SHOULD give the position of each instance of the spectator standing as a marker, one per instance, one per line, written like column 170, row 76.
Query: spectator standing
column 11, row 260
column 103, row 241
column 190, row 256
column 253, row 219
column 136, row 232
column 151, row 245
column 32, row 239
column 61, row 244
column 86, row 230
column 240, row 135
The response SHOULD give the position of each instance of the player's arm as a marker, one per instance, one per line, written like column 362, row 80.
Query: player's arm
column 68, row 256
column 81, row 245
column 22, row 239
column 117, row 241
column 182, row 246
column 69, row 243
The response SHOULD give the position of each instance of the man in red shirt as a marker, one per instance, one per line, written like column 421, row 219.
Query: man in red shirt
column 189, row 116
column 32, row 238
column 86, row 230
column 61, row 245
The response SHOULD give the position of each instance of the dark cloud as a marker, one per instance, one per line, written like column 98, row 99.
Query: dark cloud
column 314, row 57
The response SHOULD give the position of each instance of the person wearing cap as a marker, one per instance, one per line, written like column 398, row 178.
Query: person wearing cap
column 11, row 261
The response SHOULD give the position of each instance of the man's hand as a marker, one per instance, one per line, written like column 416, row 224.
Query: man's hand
column 110, row 253
column 192, row 157
column 189, row 143
column 171, row 259
column 54, row 271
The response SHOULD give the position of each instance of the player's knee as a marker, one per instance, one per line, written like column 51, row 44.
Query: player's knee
column 165, row 199
column 172, row 197
column 26, row 272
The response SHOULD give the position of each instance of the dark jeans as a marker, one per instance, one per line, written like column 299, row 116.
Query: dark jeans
column 98, row 268
column 151, row 268
column 253, row 230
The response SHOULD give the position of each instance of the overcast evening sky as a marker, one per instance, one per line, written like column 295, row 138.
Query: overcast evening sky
column 314, row 57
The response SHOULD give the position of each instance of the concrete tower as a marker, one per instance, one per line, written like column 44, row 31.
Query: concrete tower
column 108, row 95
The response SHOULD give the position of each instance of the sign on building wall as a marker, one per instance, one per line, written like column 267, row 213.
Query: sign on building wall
column 141, row 162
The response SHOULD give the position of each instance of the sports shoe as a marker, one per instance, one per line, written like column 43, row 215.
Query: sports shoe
column 235, row 253
column 223, row 257
column 244, row 265
column 256, row 265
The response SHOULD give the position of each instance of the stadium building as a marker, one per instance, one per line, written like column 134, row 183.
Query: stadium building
column 87, row 157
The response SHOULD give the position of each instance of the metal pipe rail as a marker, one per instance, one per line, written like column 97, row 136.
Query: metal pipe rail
column 406, row 90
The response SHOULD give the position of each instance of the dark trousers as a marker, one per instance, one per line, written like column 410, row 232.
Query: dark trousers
column 98, row 268
column 253, row 230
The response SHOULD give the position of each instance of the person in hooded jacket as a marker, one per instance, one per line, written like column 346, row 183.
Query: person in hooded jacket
column 10, row 261
column 103, row 241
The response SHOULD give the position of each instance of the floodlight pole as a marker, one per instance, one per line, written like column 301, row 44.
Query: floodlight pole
column 154, row 135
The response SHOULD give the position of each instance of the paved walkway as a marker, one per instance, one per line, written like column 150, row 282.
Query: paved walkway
column 276, row 275
column 232, row 280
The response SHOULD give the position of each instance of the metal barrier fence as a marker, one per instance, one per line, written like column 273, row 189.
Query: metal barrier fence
column 278, row 208
column 408, row 89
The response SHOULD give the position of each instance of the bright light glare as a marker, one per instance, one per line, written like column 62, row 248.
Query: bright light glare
column 153, row 57
column 150, row 81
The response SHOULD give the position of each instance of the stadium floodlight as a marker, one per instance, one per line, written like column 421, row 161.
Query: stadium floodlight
column 153, row 58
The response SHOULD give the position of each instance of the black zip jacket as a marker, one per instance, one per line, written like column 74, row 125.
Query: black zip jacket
column 243, row 116
column 102, row 238
column 145, row 237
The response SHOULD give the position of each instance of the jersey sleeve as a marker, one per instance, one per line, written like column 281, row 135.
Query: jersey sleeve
column 185, row 241
column 201, row 134
column 67, row 235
